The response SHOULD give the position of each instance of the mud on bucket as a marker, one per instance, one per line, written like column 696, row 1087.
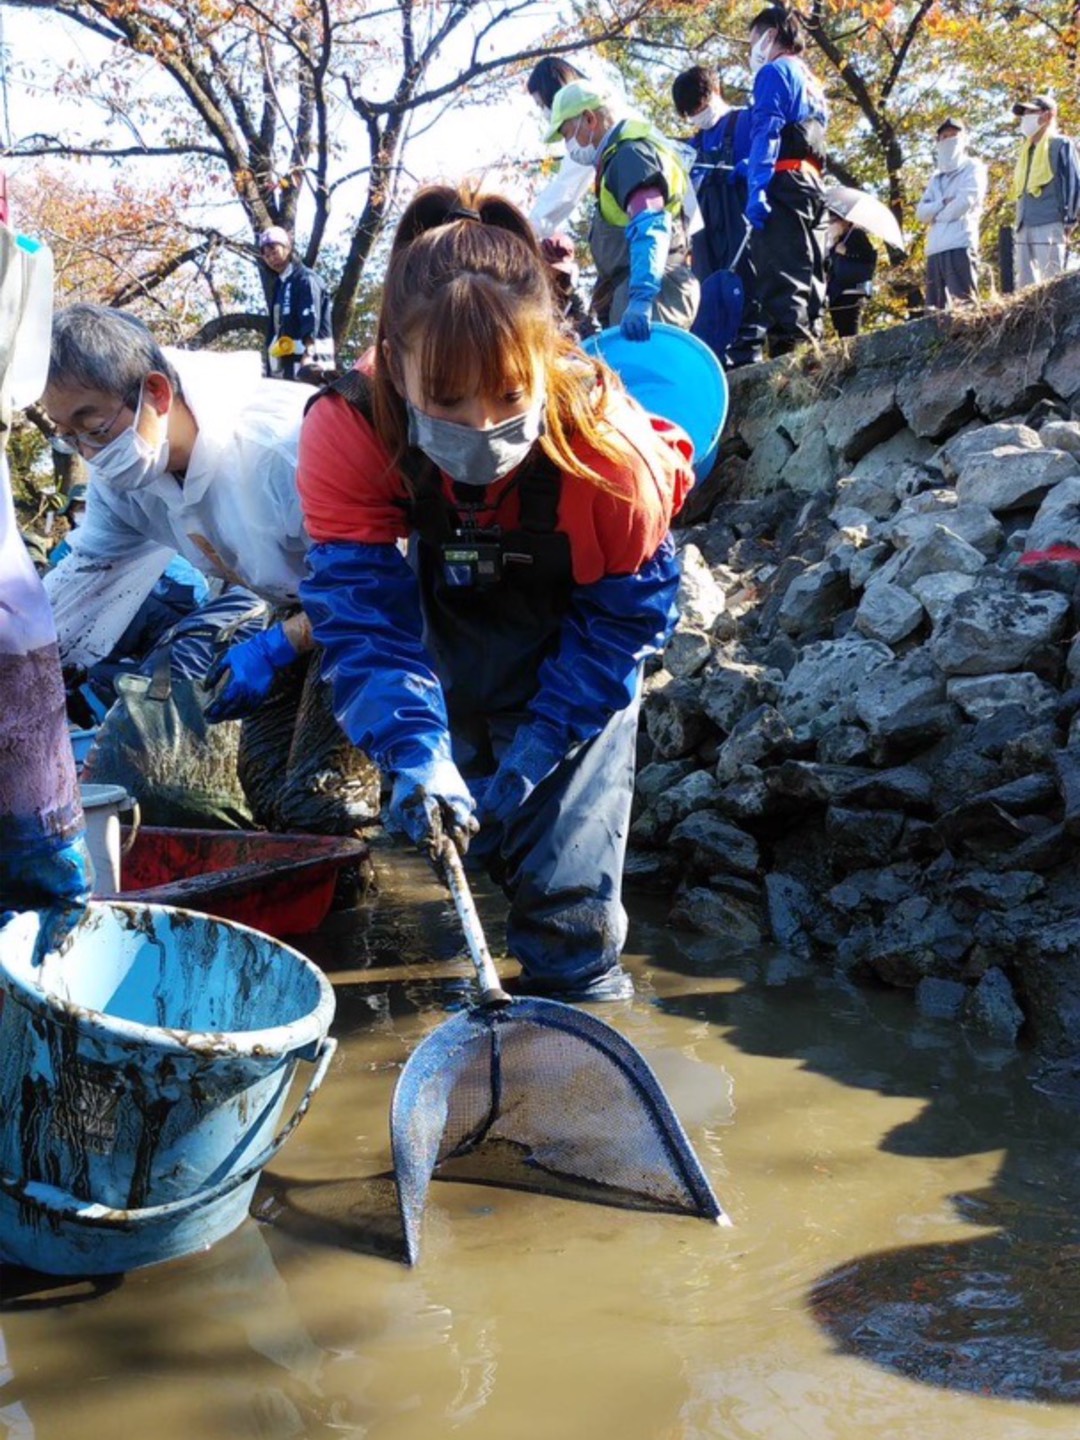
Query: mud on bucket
column 143, row 1073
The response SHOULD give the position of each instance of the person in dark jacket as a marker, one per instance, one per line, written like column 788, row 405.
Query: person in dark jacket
column 785, row 190
column 1046, row 189
column 721, row 141
column 851, row 263
column 300, row 337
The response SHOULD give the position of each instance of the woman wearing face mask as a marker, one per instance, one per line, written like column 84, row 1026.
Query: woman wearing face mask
column 952, row 206
column 495, row 679
column 785, row 203
column 561, row 196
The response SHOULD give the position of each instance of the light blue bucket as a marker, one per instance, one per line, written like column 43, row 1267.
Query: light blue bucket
column 673, row 374
column 143, row 1072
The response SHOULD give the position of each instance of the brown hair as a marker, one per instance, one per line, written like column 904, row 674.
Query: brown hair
column 468, row 290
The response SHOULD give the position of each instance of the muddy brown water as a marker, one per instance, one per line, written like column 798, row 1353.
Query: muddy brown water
column 904, row 1259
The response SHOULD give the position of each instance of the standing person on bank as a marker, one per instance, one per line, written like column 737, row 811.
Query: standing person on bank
column 785, row 190
column 500, row 672
column 300, row 335
column 639, row 235
column 850, row 263
column 568, row 187
column 1046, row 189
column 952, row 206
column 721, row 142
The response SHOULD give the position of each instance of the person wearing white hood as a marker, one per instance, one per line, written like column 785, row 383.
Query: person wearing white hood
column 193, row 453
column 952, row 205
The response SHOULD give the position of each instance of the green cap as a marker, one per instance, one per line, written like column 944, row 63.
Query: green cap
column 570, row 102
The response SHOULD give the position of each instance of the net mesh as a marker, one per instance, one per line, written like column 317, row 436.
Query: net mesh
column 546, row 1097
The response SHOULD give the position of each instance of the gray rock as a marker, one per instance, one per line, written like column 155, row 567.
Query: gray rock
column 875, row 474
column 973, row 523
column 673, row 718
column 1005, row 890
column 992, row 1006
column 940, row 999
column 917, row 940
column 955, row 453
column 766, row 464
column 901, row 788
column 938, row 552
column 1062, row 370
column 747, row 798
column 880, row 887
column 791, row 910
column 730, row 687
column 937, row 593
column 712, row 845
column 819, row 691
column 1067, row 771
column 995, row 628
column 701, row 599
column 814, row 598
column 844, row 745
column 936, row 401
column 651, row 872
column 713, row 912
column 1047, row 960
column 811, row 469
column 1061, row 435
column 1010, row 380
column 652, row 780
column 903, row 701
column 981, row 696
column 866, row 562
column 1012, row 478
column 695, row 792
column 887, row 613
column 855, row 525
column 761, row 732
column 1058, row 519
column 863, row 836
column 687, row 652
column 812, row 783
column 864, row 414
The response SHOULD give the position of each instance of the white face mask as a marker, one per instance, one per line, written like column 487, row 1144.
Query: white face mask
column 581, row 154
column 129, row 462
column 714, row 112
column 761, row 51
column 951, row 152
column 1030, row 123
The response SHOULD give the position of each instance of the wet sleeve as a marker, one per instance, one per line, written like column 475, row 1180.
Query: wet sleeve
column 363, row 602
column 348, row 488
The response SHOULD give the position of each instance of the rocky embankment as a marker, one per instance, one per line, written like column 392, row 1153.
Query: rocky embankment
column 864, row 742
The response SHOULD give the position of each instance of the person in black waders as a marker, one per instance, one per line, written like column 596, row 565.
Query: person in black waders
column 785, row 189
column 495, row 674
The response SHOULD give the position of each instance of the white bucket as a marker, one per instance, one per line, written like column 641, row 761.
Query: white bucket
column 102, row 807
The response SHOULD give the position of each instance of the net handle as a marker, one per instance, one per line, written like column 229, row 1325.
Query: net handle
column 491, row 992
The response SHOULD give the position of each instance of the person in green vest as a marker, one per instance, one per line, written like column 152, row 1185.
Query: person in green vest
column 639, row 235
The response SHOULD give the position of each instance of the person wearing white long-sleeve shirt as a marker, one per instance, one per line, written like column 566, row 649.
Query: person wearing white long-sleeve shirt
column 568, row 187
column 192, row 453
column 952, row 205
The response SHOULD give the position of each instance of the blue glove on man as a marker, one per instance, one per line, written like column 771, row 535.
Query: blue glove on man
column 758, row 209
column 431, row 799
column 251, row 667
column 530, row 758
column 636, row 322
column 739, row 171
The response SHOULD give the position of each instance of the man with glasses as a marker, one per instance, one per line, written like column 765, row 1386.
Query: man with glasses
column 195, row 454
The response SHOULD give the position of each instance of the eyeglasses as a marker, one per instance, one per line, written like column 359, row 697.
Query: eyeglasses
column 95, row 439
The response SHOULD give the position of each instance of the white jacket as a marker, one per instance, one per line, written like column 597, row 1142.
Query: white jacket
column 561, row 196
column 952, row 205
column 237, row 514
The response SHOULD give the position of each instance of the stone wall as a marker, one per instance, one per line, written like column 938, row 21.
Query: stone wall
column 863, row 744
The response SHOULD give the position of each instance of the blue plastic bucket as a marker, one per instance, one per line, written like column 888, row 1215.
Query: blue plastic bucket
column 143, row 1073
column 673, row 374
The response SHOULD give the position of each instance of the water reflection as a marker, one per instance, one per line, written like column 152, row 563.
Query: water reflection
column 997, row 1314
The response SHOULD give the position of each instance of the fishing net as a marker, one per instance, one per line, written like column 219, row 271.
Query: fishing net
column 541, row 1096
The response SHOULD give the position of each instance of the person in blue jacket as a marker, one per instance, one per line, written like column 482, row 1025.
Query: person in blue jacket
column 785, row 186
column 494, row 675
column 721, row 142
column 300, row 333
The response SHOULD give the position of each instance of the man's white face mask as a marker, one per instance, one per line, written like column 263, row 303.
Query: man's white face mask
column 951, row 152
column 129, row 461
column 713, row 112
column 1030, row 123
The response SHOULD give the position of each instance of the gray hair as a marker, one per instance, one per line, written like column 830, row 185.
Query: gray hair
column 105, row 349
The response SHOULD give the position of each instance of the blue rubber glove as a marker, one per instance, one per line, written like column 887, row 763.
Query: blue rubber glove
column 431, row 799
column 251, row 667
column 55, row 877
column 758, row 209
column 636, row 322
column 739, row 171
column 530, row 758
